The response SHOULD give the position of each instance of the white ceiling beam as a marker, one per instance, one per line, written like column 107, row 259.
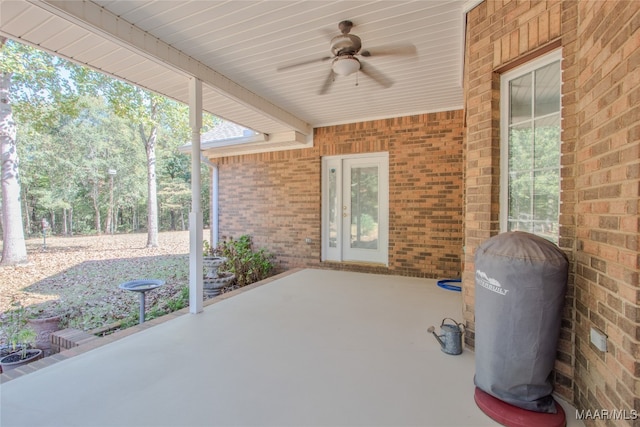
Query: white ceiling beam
column 96, row 19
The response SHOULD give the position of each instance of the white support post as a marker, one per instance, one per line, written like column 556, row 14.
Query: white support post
column 195, row 216
column 215, row 237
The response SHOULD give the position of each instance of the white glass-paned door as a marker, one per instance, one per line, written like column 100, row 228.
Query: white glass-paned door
column 355, row 207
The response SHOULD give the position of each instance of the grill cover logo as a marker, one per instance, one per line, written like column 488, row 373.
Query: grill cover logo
column 488, row 283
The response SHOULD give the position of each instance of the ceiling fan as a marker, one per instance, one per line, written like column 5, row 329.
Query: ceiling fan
column 345, row 49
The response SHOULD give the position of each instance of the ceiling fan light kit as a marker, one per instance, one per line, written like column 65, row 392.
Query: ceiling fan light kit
column 345, row 65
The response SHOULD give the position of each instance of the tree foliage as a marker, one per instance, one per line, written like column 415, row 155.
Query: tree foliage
column 534, row 177
column 74, row 126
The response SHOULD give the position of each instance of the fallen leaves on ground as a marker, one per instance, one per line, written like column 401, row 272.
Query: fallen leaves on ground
column 80, row 275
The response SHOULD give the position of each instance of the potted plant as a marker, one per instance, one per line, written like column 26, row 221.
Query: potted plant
column 44, row 320
column 18, row 339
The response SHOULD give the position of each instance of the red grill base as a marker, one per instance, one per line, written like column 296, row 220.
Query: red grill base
column 513, row 416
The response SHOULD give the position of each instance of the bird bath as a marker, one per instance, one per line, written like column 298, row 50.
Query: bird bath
column 142, row 286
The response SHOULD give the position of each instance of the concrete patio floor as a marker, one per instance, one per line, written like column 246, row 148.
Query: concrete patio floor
column 311, row 348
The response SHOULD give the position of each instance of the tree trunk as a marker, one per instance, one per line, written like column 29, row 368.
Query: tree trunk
column 117, row 220
column 32, row 222
column 27, row 211
column 71, row 221
column 96, row 206
column 65, row 231
column 107, row 226
column 172, row 220
column 135, row 220
column 152, row 198
column 14, row 249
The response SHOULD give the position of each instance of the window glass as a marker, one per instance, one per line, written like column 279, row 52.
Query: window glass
column 532, row 132
column 333, row 207
column 547, row 84
column 521, row 93
column 547, row 142
column 364, row 207
column 520, row 147
column 546, row 202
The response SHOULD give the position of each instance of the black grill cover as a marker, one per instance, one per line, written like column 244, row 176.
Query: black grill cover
column 520, row 283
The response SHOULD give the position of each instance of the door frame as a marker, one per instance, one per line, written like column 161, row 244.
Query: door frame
column 336, row 253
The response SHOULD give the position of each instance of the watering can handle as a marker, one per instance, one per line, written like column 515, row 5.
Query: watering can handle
column 460, row 325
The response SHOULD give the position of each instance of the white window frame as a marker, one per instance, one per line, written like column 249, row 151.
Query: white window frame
column 505, row 78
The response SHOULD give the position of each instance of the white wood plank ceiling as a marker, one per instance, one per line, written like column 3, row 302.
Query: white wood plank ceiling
column 235, row 47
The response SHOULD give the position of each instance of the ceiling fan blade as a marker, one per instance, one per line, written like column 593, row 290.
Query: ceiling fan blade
column 327, row 83
column 299, row 64
column 405, row 49
column 376, row 75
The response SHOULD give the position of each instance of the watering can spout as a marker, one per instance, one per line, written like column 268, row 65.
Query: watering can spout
column 431, row 330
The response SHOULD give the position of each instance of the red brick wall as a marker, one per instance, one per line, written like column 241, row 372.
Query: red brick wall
column 608, row 191
column 600, row 175
column 499, row 35
column 275, row 197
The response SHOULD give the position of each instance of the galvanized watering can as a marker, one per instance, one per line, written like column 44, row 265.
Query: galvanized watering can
column 451, row 338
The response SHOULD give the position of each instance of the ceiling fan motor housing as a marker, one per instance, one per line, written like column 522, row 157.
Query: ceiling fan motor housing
column 345, row 44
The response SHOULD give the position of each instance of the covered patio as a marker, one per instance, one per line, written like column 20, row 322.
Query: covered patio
column 321, row 347
column 235, row 61
column 308, row 347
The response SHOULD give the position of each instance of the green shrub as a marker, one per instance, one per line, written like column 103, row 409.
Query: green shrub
column 179, row 301
column 248, row 265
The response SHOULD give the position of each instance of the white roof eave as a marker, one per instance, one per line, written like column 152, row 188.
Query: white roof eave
column 254, row 144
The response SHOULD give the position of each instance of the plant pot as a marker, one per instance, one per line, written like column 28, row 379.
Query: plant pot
column 212, row 286
column 14, row 360
column 6, row 350
column 44, row 327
